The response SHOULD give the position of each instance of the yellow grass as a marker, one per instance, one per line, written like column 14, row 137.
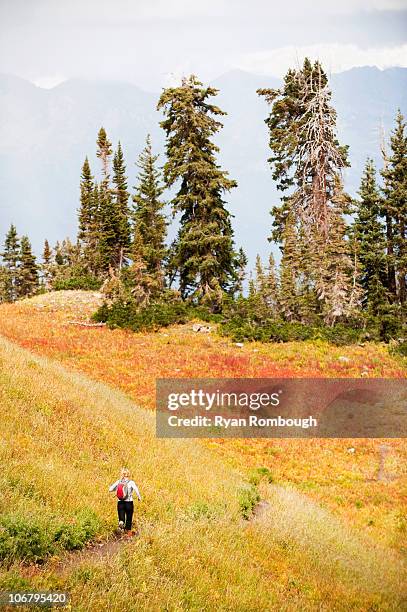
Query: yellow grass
column 63, row 439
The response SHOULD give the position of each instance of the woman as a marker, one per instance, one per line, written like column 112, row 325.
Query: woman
column 125, row 507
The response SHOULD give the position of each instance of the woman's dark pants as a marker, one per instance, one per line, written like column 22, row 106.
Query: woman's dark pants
column 125, row 511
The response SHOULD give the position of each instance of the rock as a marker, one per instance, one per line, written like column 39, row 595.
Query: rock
column 239, row 344
column 204, row 329
column 351, row 449
column 343, row 359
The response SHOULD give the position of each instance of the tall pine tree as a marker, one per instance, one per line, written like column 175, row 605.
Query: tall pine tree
column 150, row 226
column 241, row 264
column 369, row 243
column 11, row 257
column 27, row 280
column 86, row 202
column 306, row 155
column 104, row 153
column 47, row 266
column 264, row 289
column 337, row 283
column 121, row 197
column 4, row 284
column 204, row 251
column 109, row 250
column 307, row 161
column 395, row 208
column 289, row 272
column 108, row 253
column 89, row 221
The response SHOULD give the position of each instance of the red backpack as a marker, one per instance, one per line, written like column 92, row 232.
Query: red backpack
column 122, row 491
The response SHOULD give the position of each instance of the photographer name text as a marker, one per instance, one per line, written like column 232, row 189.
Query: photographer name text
column 252, row 420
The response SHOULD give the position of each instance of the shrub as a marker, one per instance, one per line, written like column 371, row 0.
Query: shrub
column 259, row 474
column 24, row 538
column 390, row 325
column 199, row 510
column 151, row 318
column 240, row 321
column 282, row 331
column 74, row 535
column 248, row 498
column 34, row 538
column 13, row 581
column 399, row 347
column 126, row 314
column 341, row 334
column 77, row 281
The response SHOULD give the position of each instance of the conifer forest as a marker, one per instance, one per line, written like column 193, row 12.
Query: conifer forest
column 342, row 271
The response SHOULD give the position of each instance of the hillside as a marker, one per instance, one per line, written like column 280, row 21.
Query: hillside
column 66, row 119
column 194, row 551
column 324, row 469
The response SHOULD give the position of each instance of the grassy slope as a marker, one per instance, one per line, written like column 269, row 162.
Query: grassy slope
column 64, row 435
column 342, row 482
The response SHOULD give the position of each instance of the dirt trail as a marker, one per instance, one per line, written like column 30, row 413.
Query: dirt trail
column 260, row 510
column 110, row 546
column 68, row 561
column 96, row 551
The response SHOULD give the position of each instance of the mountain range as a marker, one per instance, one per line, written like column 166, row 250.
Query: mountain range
column 45, row 135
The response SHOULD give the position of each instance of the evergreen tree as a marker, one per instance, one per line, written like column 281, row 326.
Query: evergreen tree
column 59, row 260
column 107, row 216
column 108, row 251
column 47, row 266
column 308, row 268
column 27, row 280
column 264, row 289
column 89, row 221
column 289, row 272
column 369, row 243
column 4, row 284
column 70, row 252
column 306, row 155
column 307, row 160
column 395, row 209
column 11, row 257
column 256, row 281
column 121, row 198
column 110, row 203
column 104, row 152
column 204, row 254
column 337, row 284
column 271, row 288
column 47, row 254
column 86, row 203
column 150, row 226
column 241, row 264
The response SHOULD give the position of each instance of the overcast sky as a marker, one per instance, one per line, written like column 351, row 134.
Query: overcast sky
column 153, row 42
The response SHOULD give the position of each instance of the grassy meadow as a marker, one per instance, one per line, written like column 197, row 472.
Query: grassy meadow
column 75, row 409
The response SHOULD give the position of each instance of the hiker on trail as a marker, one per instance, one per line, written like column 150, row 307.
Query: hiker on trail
column 125, row 488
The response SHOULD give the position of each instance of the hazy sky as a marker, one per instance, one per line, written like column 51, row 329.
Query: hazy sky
column 153, row 42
